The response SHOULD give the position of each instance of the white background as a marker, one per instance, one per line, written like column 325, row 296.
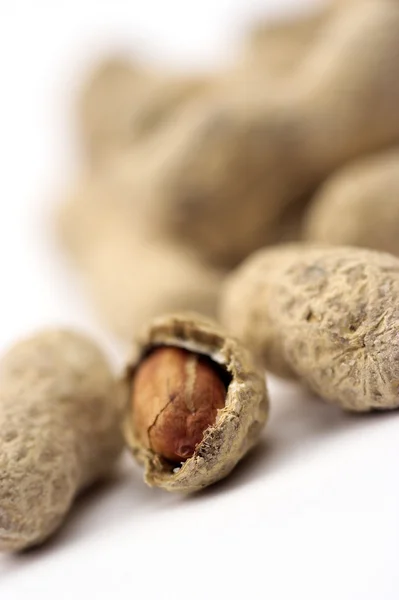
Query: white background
column 313, row 513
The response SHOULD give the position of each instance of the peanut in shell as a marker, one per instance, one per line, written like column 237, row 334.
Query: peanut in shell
column 238, row 423
column 328, row 316
column 60, row 409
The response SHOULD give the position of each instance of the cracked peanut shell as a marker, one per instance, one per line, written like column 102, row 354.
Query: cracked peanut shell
column 238, row 424
column 326, row 315
column 59, row 431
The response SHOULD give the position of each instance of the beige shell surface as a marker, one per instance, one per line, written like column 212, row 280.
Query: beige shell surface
column 225, row 191
column 278, row 46
column 129, row 274
column 105, row 104
column 60, row 412
column 238, row 425
column 359, row 205
column 122, row 102
column 247, row 156
column 328, row 315
column 349, row 89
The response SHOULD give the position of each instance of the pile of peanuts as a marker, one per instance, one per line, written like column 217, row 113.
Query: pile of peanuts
column 229, row 224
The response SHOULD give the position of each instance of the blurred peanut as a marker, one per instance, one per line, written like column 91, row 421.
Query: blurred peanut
column 359, row 205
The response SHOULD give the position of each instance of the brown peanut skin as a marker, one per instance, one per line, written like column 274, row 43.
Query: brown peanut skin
column 238, row 423
column 326, row 315
column 175, row 398
column 60, row 412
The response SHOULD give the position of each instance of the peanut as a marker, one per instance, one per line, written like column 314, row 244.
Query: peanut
column 175, row 398
column 197, row 402
column 130, row 275
column 359, row 205
column 59, row 431
column 220, row 177
column 326, row 315
column 121, row 103
column 277, row 47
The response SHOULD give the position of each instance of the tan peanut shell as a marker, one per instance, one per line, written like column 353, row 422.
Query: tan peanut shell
column 327, row 315
column 278, row 46
column 121, row 103
column 129, row 274
column 238, row 425
column 59, row 431
column 359, row 205
column 221, row 176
